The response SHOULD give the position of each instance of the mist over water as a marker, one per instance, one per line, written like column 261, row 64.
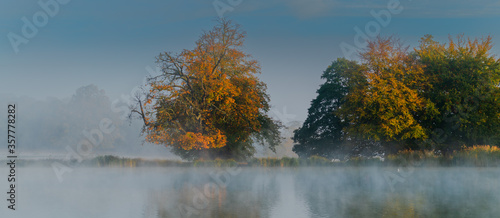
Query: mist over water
column 256, row 192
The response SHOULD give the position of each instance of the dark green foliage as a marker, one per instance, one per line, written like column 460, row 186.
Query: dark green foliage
column 322, row 133
column 464, row 86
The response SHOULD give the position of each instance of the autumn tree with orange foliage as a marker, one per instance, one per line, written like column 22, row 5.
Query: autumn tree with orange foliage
column 208, row 102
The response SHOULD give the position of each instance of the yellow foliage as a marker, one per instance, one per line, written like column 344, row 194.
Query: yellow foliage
column 390, row 99
column 206, row 94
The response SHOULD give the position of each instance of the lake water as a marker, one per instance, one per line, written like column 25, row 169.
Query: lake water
column 256, row 192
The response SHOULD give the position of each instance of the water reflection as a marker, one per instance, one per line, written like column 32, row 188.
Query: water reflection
column 329, row 192
column 251, row 193
column 257, row 192
column 445, row 192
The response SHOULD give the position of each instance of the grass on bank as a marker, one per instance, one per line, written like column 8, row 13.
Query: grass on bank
column 476, row 156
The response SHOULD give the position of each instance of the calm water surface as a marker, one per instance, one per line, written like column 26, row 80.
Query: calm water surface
column 257, row 192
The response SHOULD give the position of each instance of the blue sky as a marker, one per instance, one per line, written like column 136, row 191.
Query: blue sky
column 110, row 43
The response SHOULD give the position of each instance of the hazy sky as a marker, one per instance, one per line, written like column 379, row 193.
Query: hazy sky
column 110, row 43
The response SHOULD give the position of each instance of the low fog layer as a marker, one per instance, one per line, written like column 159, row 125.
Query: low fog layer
column 259, row 192
column 46, row 128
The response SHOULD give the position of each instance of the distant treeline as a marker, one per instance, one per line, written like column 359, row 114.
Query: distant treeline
column 476, row 156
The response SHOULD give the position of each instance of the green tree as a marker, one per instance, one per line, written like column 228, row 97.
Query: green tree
column 208, row 103
column 323, row 132
column 464, row 80
column 438, row 96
